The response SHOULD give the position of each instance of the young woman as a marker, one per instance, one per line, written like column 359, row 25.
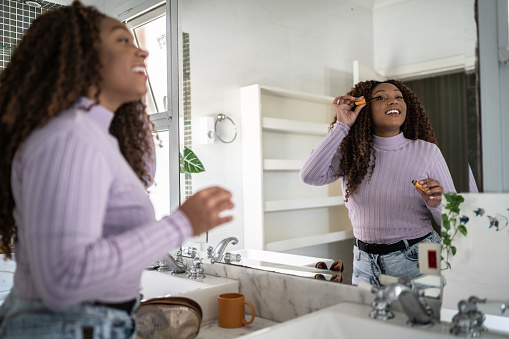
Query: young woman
column 377, row 149
column 77, row 155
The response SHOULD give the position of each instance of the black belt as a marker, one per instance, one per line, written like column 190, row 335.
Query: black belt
column 126, row 306
column 386, row 248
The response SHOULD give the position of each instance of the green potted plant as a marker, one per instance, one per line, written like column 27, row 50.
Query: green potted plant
column 451, row 226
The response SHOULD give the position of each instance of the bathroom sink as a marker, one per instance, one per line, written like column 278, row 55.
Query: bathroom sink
column 349, row 320
column 204, row 291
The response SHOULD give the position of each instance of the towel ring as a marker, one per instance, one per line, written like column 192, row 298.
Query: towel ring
column 220, row 118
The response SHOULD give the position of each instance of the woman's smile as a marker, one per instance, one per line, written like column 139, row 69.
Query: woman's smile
column 393, row 112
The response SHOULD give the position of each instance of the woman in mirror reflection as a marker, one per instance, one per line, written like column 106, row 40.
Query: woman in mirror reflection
column 377, row 149
column 77, row 158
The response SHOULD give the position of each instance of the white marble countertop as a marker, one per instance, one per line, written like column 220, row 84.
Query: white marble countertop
column 211, row 330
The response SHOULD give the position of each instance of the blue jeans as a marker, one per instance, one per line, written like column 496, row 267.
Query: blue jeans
column 402, row 264
column 25, row 318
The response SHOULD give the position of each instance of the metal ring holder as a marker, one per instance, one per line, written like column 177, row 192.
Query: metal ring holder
column 221, row 118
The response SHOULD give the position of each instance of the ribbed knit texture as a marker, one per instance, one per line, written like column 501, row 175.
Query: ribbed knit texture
column 387, row 208
column 86, row 225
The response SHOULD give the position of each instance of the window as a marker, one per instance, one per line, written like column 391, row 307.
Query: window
column 149, row 31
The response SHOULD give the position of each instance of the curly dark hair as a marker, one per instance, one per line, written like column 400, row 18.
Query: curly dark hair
column 357, row 146
column 56, row 62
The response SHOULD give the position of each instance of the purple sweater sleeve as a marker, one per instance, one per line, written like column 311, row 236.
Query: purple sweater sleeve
column 322, row 165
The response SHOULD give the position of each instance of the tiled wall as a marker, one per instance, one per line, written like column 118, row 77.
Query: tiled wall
column 15, row 17
column 188, row 142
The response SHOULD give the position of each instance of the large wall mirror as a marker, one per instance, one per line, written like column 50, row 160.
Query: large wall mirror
column 301, row 53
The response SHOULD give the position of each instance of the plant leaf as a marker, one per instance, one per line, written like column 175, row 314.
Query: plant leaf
column 453, row 250
column 446, row 223
column 190, row 162
column 463, row 230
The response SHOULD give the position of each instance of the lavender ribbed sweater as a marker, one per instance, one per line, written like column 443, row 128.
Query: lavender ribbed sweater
column 387, row 208
column 86, row 226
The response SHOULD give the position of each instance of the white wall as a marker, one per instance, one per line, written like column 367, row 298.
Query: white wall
column 424, row 36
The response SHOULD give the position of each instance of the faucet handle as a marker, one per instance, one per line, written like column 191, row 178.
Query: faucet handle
column 475, row 300
column 381, row 305
column 210, row 254
column 178, row 257
column 469, row 320
column 196, row 271
column 191, row 251
column 230, row 257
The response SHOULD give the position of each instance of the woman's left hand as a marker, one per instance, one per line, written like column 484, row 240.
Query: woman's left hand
column 433, row 196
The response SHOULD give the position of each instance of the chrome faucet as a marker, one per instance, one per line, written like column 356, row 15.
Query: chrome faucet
column 177, row 266
column 412, row 302
column 215, row 255
column 469, row 321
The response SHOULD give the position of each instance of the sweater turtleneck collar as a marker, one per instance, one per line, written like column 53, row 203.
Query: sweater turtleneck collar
column 390, row 143
column 101, row 115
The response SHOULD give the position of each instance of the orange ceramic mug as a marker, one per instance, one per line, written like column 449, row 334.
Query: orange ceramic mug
column 231, row 310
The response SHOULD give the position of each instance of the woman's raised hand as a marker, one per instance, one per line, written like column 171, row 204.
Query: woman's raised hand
column 433, row 195
column 346, row 110
column 204, row 207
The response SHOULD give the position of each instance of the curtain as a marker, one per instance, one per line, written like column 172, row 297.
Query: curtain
column 451, row 104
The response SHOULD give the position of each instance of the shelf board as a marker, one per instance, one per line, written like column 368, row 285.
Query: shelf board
column 282, row 165
column 292, row 126
column 285, row 205
column 326, row 238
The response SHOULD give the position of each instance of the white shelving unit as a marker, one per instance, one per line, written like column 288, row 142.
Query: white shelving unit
column 279, row 129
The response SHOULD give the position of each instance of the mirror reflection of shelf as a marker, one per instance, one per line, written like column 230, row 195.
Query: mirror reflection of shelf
column 325, row 238
column 279, row 129
column 290, row 126
column 287, row 205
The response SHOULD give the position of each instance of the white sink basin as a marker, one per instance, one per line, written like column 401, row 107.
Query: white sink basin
column 349, row 320
column 157, row 284
column 203, row 291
